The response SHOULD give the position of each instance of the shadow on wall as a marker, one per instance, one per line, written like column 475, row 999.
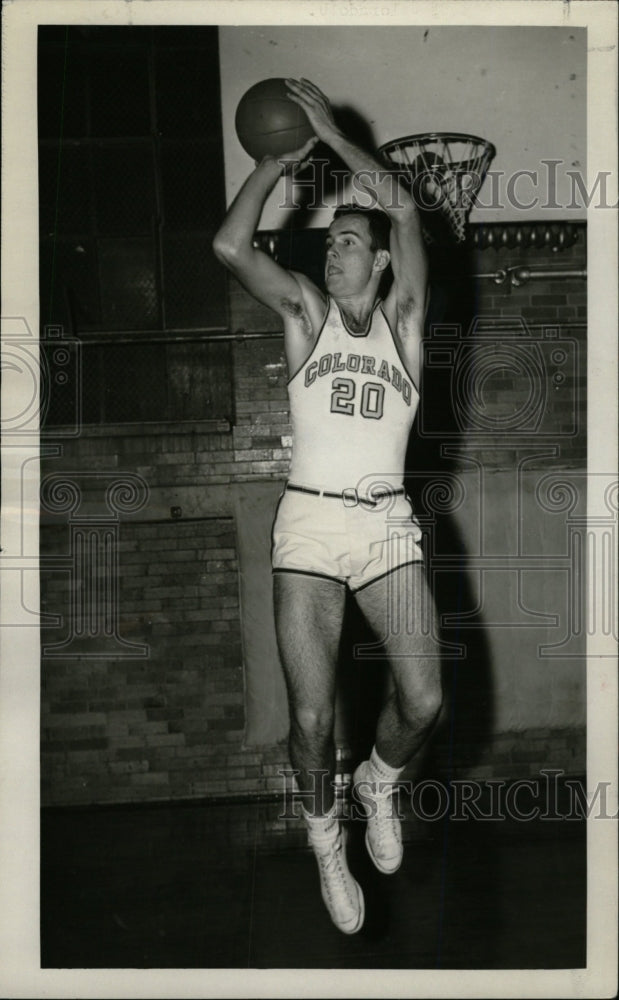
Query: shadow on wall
column 329, row 170
column 466, row 722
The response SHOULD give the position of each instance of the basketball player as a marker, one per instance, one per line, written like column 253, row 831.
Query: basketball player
column 344, row 519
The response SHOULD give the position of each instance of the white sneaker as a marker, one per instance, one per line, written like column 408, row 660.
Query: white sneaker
column 383, row 836
column 341, row 892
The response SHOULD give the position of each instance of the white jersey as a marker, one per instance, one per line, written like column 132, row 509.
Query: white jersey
column 352, row 407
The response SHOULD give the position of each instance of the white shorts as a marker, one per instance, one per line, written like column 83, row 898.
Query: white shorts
column 352, row 543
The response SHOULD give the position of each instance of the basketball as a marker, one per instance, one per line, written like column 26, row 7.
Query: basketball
column 268, row 123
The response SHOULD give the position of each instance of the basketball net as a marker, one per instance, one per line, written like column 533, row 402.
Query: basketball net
column 445, row 171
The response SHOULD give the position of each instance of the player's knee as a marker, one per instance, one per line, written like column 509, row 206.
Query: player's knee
column 421, row 705
column 433, row 702
column 313, row 722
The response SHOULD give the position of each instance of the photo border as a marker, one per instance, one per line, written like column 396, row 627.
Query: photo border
column 20, row 975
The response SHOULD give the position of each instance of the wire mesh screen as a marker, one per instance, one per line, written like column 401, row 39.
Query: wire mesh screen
column 69, row 287
column 65, row 191
column 61, row 100
column 190, row 183
column 194, row 284
column 141, row 382
column 131, row 188
column 186, row 83
column 124, row 188
column 127, row 278
column 119, row 88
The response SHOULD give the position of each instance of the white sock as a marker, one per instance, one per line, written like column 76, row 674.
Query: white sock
column 380, row 771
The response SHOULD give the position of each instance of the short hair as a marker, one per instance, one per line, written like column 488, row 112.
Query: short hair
column 379, row 223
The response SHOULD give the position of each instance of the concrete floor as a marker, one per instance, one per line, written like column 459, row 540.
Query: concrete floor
column 176, row 886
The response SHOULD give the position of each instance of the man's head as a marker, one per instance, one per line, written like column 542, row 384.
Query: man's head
column 379, row 223
column 357, row 249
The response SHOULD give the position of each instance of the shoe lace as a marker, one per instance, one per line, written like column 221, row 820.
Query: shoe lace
column 331, row 864
column 386, row 823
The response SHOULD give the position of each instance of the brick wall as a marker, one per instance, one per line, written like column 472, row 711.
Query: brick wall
column 262, row 433
column 170, row 725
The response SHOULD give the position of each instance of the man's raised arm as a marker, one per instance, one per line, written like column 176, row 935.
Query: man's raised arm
column 233, row 244
column 408, row 255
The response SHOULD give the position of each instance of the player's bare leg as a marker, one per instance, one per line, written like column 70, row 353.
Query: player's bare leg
column 400, row 610
column 308, row 618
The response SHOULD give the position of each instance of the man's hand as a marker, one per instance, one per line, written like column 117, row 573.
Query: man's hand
column 316, row 106
column 294, row 161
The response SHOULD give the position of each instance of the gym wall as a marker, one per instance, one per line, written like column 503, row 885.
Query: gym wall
column 522, row 88
column 159, row 699
column 174, row 724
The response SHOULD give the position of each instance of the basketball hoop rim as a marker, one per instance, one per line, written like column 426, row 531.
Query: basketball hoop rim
column 434, row 136
column 470, row 162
